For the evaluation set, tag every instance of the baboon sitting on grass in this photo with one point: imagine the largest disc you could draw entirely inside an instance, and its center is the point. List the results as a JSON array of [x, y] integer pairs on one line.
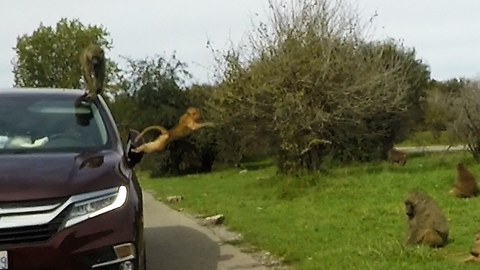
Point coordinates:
[[426, 223], [465, 185]]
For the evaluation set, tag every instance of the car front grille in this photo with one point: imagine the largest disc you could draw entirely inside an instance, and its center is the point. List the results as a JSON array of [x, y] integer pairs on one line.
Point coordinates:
[[32, 234]]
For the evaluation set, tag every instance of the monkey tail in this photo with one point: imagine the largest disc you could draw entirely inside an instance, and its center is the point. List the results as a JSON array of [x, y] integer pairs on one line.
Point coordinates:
[[159, 128]]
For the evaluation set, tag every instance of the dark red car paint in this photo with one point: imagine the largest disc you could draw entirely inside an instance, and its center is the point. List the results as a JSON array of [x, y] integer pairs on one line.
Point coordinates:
[[34, 176]]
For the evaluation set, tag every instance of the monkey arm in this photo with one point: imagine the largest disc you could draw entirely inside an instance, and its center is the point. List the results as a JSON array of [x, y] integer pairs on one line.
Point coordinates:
[[440, 225], [412, 237], [415, 234], [87, 79], [195, 126]]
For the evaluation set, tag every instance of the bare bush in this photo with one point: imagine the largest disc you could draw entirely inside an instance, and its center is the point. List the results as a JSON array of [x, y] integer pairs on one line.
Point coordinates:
[[465, 124], [312, 82]]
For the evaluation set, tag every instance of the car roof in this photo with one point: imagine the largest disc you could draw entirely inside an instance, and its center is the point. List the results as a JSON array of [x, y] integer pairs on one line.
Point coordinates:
[[14, 91]]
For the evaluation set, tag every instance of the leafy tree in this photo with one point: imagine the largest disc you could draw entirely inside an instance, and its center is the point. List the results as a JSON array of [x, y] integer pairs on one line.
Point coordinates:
[[49, 57], [224, 143], [153, 93], [156, 84], [311, 82]]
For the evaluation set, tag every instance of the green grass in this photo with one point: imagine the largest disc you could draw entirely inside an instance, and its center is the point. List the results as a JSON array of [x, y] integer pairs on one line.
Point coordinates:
[[350, 219], [425, 138]]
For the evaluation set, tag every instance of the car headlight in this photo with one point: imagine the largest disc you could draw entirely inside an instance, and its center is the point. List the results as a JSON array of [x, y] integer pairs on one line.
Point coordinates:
[[96, 205]]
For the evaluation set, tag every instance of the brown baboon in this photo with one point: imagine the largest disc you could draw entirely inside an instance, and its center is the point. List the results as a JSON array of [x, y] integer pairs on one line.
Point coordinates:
[[187, 124], [396, 156], [475, 250], [465, 185], [426, 223], [92, 61]]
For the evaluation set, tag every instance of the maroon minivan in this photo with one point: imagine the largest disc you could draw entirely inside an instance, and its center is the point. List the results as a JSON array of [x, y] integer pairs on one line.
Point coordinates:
[[69, 198]]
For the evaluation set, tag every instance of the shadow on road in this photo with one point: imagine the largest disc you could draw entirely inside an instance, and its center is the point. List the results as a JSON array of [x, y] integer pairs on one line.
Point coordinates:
[[180, 248]]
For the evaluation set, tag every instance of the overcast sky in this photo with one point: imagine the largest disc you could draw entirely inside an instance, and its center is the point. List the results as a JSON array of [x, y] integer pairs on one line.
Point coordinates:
[[446, 35]]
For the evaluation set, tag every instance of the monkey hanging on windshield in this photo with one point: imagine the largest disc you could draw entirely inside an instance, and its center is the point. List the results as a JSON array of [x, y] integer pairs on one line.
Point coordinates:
[[92, 61], [186, 125]]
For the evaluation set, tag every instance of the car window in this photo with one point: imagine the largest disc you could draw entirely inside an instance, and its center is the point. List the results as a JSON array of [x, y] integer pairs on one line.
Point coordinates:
[[47, 123]]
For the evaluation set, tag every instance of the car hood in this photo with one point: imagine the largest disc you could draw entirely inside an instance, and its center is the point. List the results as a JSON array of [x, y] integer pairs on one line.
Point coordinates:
[[46, 175]]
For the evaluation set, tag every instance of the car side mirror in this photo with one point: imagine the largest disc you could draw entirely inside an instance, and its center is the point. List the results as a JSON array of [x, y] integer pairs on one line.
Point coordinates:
[[132, 157]]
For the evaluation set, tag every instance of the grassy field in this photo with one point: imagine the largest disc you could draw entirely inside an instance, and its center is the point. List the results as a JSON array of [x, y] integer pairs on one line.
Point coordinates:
[[425, 138], [350, 219]]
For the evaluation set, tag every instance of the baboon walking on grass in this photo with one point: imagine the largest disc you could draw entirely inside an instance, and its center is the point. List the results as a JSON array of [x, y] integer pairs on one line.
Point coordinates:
[[396, 156]]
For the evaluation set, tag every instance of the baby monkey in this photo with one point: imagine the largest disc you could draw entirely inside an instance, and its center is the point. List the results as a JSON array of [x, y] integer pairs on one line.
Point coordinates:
[[186, 125]]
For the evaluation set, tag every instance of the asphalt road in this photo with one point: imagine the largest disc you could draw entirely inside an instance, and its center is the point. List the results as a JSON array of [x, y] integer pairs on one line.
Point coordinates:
[[177, 242], [432, 148]]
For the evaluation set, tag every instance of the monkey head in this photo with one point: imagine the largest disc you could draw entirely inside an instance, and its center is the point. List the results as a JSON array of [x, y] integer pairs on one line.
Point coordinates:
[[409, 209], [194, 113], [475, 250], [460, 166], [94, 54], [411, 201], [94, 60]]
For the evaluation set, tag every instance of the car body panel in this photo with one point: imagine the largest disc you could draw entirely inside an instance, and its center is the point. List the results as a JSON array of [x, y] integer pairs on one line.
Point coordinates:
[[31, 177], [55, 175]]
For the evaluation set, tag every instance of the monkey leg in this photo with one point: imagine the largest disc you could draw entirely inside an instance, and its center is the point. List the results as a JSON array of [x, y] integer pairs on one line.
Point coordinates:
[[455, 192], [138, 149], [89, 83], [433, 239], [98, 73], [413, 237], [146, 147], [157, 145]]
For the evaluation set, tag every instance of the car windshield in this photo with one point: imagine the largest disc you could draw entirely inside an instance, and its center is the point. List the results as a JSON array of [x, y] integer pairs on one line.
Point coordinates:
[[50, 123]]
